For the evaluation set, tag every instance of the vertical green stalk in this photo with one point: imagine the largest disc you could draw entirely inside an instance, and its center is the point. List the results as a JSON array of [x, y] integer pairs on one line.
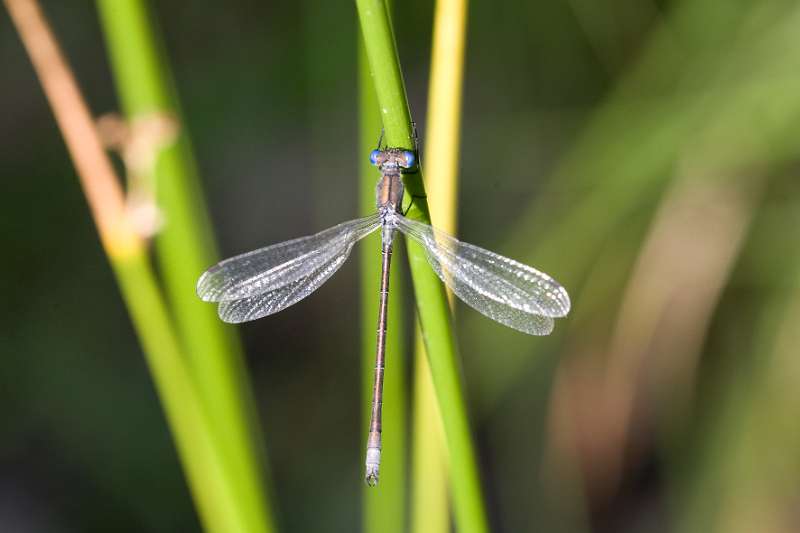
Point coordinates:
[[213, 491], [430, 509], [213, 488], [185, 249], [432, 307], [384, 505]]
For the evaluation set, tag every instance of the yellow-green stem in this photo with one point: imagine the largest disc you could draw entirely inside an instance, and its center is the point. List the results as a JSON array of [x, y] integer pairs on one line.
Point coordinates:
[[432, 306], [214, 492], [430, 510], [212, 487], [185, 248]]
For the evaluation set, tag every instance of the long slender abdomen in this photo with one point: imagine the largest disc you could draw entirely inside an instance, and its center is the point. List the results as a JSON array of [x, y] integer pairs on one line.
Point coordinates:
[[373, 461]]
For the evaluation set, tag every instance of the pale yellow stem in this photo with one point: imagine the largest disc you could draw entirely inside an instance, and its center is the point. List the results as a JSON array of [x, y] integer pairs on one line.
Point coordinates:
[[429, 507], [103, 191]]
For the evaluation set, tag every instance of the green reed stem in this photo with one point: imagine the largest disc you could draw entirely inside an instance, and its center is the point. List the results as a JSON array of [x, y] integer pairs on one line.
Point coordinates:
[[432, 306], [185, 249], [213, 489]]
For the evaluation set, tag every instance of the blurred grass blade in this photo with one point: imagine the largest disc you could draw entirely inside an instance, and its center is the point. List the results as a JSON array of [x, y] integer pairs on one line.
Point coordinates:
[[434, 313], [215, 493], [213, 489], [185, 249], [384, 505], [745, 476], [430, 510], [707, 221], [732, 114], [735, 95]]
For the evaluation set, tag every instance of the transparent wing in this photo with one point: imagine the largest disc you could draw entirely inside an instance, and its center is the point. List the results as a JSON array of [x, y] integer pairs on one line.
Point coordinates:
[[269, 269], [254, 307], [505, 290]]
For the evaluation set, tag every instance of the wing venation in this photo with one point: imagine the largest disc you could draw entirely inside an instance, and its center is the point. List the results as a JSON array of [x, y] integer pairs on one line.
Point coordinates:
[[270, 268]]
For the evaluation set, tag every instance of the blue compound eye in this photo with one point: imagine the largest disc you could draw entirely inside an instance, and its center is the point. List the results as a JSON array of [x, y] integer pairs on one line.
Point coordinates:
[[373, 156], [411, 159]]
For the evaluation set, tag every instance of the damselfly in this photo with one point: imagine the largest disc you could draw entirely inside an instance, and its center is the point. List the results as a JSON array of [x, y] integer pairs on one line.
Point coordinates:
[[265, 281]]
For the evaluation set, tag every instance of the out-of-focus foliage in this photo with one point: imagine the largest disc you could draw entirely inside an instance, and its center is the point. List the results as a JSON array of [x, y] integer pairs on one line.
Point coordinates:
[[642, 152]]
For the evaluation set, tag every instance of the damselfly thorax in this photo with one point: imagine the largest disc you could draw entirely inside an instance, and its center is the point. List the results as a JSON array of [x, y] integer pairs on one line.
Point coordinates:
[[389, 192], [265, 281]]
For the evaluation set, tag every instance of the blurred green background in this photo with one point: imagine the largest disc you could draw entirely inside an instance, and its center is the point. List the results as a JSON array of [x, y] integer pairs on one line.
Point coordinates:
[[644, 153]]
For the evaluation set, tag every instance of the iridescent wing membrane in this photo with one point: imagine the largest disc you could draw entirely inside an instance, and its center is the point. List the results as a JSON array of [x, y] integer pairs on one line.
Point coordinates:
[[265, 281], [268, 280], [504, 290]]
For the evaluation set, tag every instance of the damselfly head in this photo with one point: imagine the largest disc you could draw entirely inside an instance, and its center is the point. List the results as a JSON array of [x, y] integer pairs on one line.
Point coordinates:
[[393, 157], [374, 157]]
